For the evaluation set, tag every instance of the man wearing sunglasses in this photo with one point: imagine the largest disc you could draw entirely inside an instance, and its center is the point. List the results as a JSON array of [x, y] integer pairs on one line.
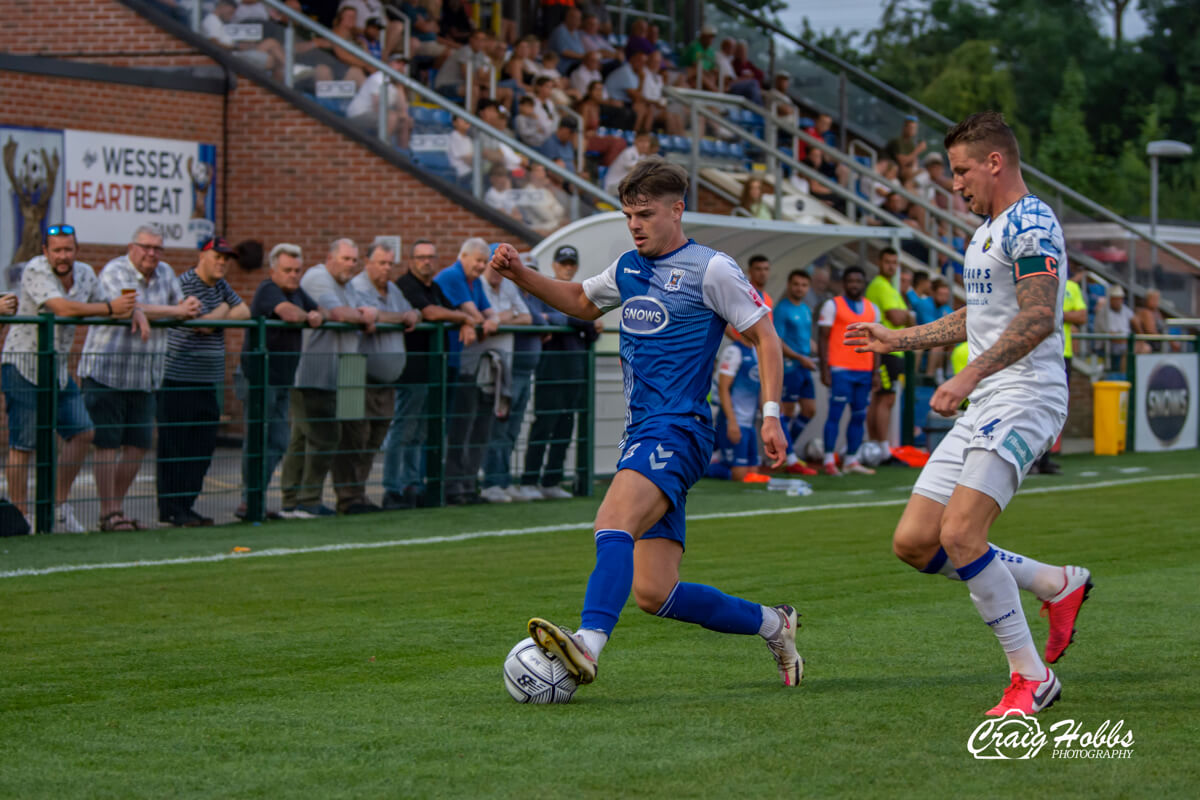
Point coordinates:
[[121, 368], [53, 282]]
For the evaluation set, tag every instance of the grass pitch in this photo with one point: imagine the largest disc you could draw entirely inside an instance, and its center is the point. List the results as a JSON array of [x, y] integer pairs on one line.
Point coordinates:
[[376, 672]]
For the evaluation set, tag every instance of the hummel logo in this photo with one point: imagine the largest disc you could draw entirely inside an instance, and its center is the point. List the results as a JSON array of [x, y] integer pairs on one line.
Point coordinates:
[[629, 271], [662, 454]]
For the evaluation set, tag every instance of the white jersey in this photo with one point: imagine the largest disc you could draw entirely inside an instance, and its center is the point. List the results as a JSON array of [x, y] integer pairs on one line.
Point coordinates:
[[1023, 240]]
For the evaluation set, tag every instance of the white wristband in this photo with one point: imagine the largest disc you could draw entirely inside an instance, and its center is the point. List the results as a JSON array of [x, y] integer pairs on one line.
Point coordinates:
[[771, 409]]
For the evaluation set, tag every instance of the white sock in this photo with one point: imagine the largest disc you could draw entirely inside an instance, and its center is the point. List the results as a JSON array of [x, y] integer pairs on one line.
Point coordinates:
[[829, 458], [1044, 580], [791, 459], [995, 595], [593, 640], [771, 623]]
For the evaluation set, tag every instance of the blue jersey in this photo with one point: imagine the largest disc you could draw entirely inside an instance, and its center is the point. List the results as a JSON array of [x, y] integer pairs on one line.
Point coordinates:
[[793, 323], [741, 362], [674, 309]]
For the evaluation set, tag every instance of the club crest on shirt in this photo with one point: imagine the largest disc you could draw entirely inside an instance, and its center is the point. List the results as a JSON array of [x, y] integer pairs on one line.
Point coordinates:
[[675, 281], [987, 245]]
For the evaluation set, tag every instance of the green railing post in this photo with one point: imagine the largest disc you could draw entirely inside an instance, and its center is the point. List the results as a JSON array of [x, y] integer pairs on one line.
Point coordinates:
[[1131, 407], [46, 452], [908, 409], [435, 459], [586, 431], [256, 419]]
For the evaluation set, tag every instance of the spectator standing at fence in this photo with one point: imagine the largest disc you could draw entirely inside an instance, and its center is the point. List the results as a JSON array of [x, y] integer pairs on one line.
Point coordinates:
[[379, 301], [279, 297], [560, 392], [404, 456], [189, 406], [56, 283], [1148, 318], [1117, 319], [122, 368], [887, 298], [510, 308], [315, 433], [469, 425]]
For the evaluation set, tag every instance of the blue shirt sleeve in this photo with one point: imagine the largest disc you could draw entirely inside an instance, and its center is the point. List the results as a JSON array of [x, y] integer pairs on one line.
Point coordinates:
[[454, 285]]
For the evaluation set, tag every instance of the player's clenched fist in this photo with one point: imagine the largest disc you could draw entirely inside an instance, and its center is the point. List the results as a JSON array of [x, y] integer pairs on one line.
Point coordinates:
[[870, 337], [505, 259]]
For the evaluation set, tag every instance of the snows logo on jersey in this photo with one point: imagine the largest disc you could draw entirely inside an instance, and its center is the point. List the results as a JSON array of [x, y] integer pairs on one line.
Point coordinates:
[[643, 315]]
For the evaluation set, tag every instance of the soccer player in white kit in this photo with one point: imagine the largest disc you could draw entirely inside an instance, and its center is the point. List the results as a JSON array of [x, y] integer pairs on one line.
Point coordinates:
[[1014, 275]]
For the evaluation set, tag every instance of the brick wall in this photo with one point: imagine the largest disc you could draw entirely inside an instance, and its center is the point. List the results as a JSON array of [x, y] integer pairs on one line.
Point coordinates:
[[101, 31]]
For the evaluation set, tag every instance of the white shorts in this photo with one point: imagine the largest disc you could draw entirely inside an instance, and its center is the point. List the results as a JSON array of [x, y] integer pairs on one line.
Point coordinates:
[[991, 448]]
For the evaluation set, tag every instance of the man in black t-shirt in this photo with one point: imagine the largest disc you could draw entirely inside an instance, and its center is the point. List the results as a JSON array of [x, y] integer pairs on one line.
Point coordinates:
[[403, 474], [278, 297]]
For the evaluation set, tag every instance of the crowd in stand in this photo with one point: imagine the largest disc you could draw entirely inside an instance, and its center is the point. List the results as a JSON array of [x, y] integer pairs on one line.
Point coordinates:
[[138, 386]]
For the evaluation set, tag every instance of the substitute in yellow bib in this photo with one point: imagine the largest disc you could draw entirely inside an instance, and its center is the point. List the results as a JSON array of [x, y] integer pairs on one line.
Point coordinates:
[[895, 314]]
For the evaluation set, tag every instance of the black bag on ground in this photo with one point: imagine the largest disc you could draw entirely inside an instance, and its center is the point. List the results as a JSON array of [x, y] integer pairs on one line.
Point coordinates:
[[12, 521]]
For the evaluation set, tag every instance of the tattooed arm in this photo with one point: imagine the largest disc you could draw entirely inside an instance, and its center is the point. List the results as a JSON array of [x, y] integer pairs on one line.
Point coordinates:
[[1037, 297], [875, 338]]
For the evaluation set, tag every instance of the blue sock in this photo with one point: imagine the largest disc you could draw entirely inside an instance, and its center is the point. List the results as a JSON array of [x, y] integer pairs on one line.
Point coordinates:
[[799, 423], [712, 609], [785, 422], [610, 582], [832, 422]]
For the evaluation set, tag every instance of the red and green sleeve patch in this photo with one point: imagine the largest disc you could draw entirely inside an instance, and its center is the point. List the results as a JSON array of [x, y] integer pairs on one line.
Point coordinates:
[[1035, 265]]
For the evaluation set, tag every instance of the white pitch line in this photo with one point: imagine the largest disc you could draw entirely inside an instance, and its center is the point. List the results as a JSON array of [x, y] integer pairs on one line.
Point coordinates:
[[506, 532]]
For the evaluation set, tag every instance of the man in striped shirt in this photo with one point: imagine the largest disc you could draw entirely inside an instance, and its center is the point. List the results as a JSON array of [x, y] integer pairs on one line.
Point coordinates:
[[122, 368], [189, 406]]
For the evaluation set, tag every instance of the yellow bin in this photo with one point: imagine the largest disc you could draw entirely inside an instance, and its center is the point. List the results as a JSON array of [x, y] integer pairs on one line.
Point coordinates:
[[1110, 413]]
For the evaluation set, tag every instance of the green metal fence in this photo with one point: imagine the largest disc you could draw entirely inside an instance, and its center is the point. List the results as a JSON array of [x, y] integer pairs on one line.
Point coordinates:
[[240, 473]]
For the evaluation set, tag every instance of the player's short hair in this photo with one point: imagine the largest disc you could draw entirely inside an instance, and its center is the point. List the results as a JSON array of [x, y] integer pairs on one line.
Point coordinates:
[[799, 273], [757, 257], [985, 130], [651, 178], [848, 271], [888, 251], [420, 242]]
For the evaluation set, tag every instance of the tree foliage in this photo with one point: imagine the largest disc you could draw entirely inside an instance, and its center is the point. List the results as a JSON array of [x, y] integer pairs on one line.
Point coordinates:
[[1084, 104]]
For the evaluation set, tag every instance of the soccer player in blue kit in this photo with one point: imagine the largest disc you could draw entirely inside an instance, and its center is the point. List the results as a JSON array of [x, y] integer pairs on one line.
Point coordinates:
[[676, 296]]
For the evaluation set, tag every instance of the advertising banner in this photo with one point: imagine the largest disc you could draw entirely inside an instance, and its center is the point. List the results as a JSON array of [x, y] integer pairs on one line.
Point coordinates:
[[105, 185], [114, 183], [1166, 403]]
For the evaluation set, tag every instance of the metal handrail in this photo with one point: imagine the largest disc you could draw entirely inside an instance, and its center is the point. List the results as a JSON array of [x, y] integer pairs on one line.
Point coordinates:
[[438, 100], [812, 175], [688, 97], [623, 11], [916, 105]]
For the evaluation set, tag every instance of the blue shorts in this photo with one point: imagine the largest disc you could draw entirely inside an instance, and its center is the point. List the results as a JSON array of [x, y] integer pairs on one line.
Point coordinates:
[[673, 455], [21, 396], [851, 386], [798, 384], [742, 454]]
